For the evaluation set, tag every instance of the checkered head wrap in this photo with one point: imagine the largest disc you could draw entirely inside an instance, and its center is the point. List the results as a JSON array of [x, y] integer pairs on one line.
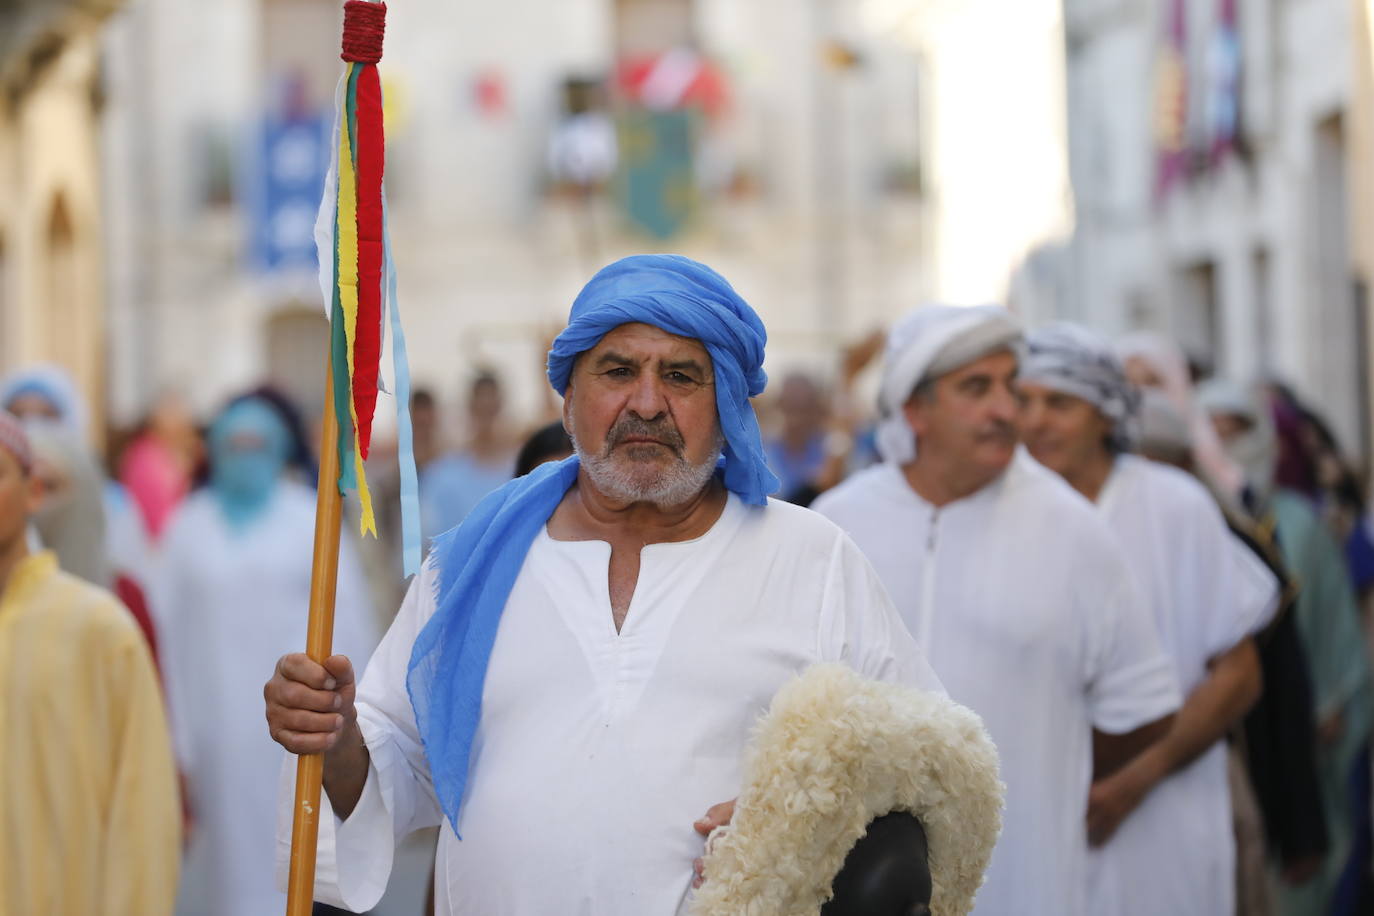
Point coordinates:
[[1074, 360]]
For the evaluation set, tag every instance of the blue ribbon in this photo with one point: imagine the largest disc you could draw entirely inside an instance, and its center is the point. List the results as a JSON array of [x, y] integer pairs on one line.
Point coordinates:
[[405, 444]]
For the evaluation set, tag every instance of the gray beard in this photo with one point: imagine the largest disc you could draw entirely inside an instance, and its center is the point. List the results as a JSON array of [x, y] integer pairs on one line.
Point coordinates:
[[620, 479]]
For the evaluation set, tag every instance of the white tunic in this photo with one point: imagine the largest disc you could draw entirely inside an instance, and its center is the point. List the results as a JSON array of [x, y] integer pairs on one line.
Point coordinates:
[[1022, 600], [598, 750], [1176, 852], [228, 605]]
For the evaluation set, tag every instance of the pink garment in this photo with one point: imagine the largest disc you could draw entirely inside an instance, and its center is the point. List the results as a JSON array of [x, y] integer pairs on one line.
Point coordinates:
[[156, 481]]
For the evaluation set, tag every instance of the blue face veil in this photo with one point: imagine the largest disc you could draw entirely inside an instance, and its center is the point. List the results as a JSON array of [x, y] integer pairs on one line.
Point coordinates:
[[477, 562], [249, 444]]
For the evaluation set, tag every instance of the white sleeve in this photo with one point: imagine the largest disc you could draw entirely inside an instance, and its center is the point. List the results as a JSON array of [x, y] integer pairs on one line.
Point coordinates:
[[354, 857], [861, 627], [1257, 589], [1130, 681], [1235, 591]]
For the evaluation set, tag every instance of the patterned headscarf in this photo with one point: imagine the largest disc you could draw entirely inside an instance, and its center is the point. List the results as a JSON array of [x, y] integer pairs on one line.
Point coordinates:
[[1076, 361]]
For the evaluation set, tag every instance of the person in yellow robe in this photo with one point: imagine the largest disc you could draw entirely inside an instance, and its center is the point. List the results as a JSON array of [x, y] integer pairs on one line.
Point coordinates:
[[89, 817]]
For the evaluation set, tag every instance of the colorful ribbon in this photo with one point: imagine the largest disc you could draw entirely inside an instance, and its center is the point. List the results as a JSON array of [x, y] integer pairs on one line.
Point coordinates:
[[358, 277]]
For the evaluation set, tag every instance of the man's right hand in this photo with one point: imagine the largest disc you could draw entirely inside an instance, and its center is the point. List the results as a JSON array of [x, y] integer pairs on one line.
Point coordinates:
[[309, 705], [310, 711]]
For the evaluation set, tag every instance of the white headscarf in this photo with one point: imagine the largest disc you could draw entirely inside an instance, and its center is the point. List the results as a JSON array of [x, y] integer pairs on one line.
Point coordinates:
[[1162, 427], [55, 385], [71, 521], [1166, 358], [926, 344], [1255, 450]]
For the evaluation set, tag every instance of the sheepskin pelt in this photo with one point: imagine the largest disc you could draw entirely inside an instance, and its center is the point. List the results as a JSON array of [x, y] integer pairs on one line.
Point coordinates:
[[833, 752]]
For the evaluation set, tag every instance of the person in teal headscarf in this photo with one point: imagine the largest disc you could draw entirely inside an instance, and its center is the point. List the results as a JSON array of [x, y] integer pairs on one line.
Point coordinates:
[[231, 595], [1328, 620], [248, 448]]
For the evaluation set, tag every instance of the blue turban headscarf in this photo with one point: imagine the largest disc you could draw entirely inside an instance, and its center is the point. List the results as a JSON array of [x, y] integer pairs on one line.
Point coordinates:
[[478, 561]]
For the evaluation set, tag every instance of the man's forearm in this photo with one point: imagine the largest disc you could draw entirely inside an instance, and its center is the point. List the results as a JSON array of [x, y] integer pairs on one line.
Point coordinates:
[[1231, 688], [345, 771], [1112, 752]]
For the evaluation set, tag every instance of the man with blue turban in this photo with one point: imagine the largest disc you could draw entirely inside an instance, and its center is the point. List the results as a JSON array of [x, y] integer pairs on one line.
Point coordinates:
[[569, 686]]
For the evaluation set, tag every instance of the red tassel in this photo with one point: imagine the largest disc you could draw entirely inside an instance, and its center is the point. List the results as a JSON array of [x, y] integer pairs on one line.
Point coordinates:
[[367, 341]]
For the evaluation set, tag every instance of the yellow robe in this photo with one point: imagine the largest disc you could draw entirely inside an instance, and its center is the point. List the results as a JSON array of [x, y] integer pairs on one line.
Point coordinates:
[[89, 817]]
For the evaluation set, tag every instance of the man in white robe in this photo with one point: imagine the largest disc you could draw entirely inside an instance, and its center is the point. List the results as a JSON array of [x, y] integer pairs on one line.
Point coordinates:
[[655, 607], [1162, 823], [233, 576], [1016, 589]]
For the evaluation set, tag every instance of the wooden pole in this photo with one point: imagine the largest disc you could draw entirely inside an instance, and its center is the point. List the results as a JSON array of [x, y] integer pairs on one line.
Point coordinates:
[[324, 576]]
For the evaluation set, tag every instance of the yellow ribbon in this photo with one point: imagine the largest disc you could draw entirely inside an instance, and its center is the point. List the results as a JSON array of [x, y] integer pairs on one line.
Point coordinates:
[[347, 243]]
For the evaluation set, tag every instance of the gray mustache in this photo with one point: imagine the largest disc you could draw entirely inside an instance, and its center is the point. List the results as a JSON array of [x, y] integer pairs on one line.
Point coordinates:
[[999, 432], [633, 427]]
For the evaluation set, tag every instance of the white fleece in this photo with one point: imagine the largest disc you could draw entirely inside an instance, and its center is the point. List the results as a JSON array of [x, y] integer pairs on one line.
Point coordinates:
[[834, 751]]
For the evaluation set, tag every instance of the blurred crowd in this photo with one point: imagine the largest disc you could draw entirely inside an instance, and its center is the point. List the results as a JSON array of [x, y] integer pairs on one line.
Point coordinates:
[[203, 529]]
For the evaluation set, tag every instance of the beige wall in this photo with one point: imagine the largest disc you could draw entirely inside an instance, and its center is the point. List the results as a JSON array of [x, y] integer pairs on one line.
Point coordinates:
[[1275, 231], [51, 271], [1360, 128]]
